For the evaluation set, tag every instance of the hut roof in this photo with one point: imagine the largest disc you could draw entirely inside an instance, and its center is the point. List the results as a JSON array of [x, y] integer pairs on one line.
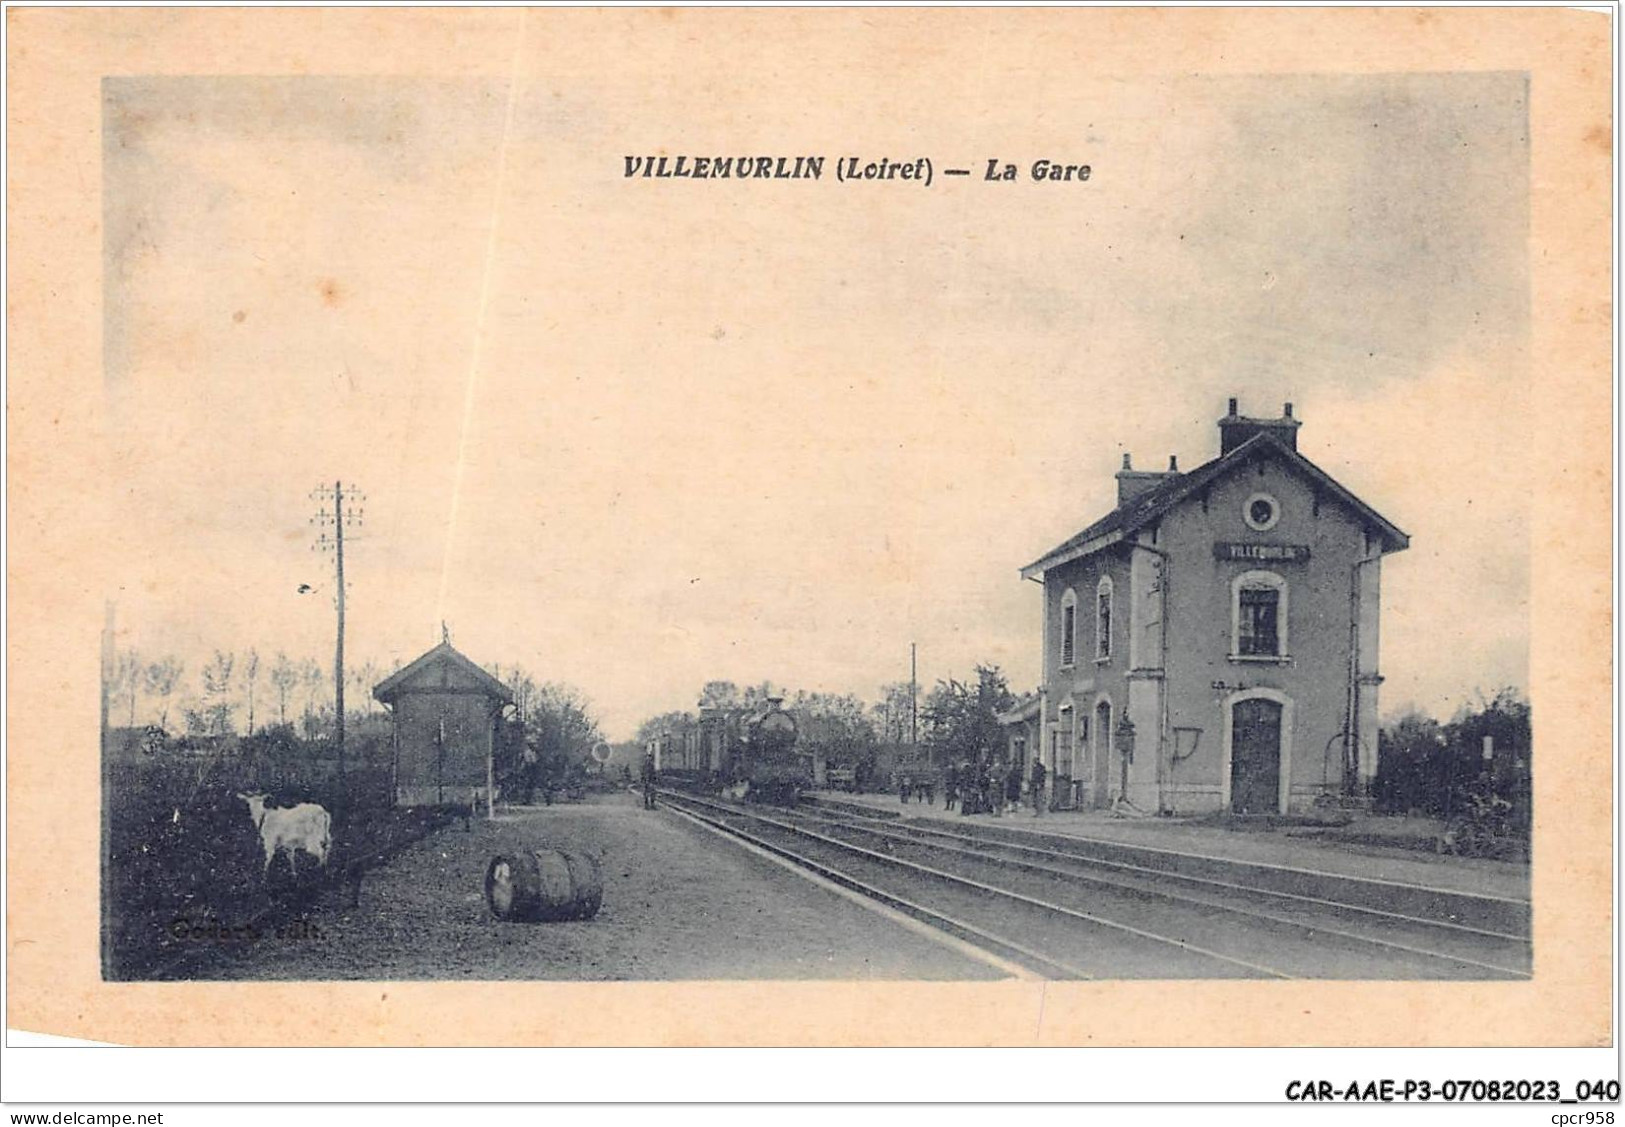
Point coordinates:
[[414, 677]]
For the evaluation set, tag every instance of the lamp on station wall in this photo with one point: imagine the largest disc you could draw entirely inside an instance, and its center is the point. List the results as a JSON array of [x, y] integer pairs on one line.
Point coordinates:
[[1125, 738]]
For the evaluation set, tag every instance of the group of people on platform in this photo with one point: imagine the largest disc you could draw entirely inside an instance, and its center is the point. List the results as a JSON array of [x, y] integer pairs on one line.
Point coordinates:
[[989, 786], [917, 784]]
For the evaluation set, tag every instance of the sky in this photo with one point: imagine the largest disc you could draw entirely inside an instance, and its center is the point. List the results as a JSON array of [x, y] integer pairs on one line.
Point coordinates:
[[637, 435]]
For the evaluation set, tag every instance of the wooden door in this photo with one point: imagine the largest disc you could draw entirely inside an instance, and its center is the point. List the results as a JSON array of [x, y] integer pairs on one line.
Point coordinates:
[[1100, 730], [1255, 757]]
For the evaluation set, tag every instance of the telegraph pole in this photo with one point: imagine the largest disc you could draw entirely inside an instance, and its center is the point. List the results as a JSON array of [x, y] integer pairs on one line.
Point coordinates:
[[337, 519]]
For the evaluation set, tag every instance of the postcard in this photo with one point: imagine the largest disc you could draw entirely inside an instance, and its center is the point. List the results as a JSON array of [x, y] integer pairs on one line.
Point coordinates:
[[729, 527]]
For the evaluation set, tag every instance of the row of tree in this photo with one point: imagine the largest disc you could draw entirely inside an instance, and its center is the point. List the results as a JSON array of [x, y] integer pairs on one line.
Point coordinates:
[[547, 739], [241, 694], [230, 686], [957, 720], [838, 717]]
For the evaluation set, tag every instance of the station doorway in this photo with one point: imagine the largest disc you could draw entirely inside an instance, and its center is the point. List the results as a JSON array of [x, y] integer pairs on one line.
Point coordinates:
[[1255, 757], [1101, 736]]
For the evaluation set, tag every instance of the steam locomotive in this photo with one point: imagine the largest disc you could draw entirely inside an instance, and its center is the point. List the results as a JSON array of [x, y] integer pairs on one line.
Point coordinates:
[[748, 753], [768, 764]]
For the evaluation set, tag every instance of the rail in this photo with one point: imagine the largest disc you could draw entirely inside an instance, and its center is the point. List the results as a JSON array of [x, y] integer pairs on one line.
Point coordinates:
[[1382, 941], [1007, 943]]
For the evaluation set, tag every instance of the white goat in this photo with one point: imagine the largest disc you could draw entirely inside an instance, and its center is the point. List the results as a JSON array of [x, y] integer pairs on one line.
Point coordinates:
[[306, 826]]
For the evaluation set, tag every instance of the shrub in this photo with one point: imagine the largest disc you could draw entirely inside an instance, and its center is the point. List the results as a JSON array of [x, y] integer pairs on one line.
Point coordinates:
[[1439, 769], [180, 844]]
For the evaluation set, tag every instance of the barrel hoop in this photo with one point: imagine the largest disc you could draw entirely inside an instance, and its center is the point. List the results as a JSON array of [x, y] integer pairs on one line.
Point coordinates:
[[546, 884]]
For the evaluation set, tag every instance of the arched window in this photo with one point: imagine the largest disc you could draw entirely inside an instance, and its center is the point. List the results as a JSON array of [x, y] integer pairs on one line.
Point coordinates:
[[1103, 619], [1069, 628], [1258, 618]]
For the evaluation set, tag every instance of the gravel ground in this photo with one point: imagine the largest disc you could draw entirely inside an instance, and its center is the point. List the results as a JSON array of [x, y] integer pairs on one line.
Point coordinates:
[[679, 903]]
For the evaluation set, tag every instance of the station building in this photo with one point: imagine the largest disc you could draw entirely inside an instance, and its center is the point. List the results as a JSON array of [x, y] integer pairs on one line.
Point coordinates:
[[1211, 643]]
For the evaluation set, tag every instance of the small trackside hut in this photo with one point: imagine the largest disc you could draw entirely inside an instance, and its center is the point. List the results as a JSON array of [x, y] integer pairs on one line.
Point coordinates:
[[446, 711], [1211, 643]]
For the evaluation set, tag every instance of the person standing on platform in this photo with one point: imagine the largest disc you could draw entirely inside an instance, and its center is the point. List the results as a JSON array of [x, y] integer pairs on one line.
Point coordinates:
[[648, 777], [1038, 787], [1012, 786]]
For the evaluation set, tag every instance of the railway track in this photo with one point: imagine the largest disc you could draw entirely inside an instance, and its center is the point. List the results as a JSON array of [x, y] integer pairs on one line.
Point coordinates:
[[1072, 909]]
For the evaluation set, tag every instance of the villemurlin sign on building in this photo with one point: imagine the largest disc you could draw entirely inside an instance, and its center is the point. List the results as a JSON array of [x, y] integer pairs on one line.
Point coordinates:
[[1278, 553]]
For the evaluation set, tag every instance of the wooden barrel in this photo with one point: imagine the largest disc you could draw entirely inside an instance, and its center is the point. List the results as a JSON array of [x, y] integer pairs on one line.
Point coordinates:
[[547, 884]]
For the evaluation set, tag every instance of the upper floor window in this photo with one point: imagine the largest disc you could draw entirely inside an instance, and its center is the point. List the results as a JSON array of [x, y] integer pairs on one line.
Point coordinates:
[[1069, 628], [1258, 616], [1103, 618], [1256, 633]]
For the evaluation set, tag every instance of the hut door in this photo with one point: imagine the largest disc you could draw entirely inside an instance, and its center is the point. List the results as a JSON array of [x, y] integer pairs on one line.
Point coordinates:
[[1255, 757]]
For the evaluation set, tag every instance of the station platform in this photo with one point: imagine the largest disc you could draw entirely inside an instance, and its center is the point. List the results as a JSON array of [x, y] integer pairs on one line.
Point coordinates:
[[1290, 847]]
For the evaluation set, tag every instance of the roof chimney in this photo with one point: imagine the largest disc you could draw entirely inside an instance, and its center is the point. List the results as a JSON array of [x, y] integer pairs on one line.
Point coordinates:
[[1133, 483], [1235, 429]]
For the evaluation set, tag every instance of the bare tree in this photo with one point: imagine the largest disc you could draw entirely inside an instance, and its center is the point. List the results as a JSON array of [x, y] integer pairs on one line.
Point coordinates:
[[894, 713], [162, 676], [251, 675], [284, 679], [217, 691], [313, 678], [362, 679], [523, 688], [127, 677]]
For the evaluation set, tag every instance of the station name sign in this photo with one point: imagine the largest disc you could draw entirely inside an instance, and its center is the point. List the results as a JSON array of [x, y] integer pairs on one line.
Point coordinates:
[[1271, 553]]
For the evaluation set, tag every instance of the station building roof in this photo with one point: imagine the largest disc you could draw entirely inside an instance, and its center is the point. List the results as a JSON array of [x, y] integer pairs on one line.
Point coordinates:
[[1148, 507]]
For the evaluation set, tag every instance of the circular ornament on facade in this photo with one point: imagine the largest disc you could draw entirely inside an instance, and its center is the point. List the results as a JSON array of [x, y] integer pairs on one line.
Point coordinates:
[[1261, 512]]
